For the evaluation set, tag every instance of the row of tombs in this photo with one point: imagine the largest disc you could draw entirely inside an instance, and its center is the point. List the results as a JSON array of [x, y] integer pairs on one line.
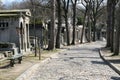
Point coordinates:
[[15, 28]]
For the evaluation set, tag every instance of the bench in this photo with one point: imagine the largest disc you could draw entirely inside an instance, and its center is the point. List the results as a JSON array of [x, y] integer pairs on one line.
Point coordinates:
[[15, 57], [10, 52]]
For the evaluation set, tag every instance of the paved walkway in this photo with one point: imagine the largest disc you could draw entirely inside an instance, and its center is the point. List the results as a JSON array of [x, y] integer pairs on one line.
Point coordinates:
[[81, 62]]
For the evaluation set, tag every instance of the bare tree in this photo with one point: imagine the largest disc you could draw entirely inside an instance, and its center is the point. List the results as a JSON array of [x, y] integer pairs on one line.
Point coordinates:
[[110, 23], [52, 26], [42, 8], [65, 9], [96, 8], [14, 5], [88, 22], [58, 39], [114, 2], [86, 4], [74, 3], [91, 15], [117, 33], [33, 11], [1, 5]]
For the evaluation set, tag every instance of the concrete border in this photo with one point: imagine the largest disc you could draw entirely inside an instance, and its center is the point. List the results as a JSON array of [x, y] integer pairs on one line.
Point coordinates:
[[115, 68]]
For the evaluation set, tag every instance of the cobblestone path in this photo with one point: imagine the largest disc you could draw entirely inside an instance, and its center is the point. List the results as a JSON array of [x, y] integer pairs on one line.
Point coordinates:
[[81, 62]]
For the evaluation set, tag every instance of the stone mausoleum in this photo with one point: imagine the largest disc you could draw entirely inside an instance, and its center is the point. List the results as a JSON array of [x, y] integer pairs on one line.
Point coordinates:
[[14, 28]]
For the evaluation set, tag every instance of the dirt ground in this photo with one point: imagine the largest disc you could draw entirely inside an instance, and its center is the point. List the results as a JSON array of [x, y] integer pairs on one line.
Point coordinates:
[[11, 73]]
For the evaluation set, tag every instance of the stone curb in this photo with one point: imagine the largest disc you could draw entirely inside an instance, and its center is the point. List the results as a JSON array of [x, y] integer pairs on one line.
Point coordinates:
[[115, 68], [25, 75]]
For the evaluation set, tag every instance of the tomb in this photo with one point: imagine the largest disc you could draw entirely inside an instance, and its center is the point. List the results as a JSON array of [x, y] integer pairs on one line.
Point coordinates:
[[14, 28]]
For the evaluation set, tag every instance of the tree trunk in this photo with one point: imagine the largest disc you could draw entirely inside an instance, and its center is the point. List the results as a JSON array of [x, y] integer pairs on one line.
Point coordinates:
[[52, 30], [67, 29], [112, 23], [65, 9], [94, 30], [89, 24], [83, 29], [58, 39], [89, 30], [74, 17], [108, 24], [117, 34], [117, 41]]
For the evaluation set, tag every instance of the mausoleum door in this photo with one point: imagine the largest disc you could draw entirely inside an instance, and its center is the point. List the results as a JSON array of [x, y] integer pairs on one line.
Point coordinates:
[[22, 37]]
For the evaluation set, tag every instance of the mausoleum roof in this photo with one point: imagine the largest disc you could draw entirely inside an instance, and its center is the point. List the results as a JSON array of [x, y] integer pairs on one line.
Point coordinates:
[[7, 15], [18, 12]]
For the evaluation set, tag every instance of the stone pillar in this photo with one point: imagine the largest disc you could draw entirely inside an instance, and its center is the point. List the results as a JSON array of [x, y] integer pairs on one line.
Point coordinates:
[[28, 39], [25, 35]]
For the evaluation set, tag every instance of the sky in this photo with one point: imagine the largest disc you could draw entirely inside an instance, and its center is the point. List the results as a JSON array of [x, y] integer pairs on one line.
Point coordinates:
[[9, 1]]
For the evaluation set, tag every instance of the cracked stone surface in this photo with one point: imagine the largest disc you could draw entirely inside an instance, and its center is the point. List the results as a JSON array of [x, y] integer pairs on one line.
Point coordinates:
[[81, 62]]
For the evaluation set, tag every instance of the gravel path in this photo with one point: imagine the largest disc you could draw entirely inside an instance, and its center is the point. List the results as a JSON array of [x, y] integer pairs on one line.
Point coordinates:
[[81, 62]]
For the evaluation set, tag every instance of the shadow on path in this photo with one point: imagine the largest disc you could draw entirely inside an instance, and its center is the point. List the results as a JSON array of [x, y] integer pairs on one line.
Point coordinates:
[[115, 78], [77, 57], [99, 62], [115, 61]]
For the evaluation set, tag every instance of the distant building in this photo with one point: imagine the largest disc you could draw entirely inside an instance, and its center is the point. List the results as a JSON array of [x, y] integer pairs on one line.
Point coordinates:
[[37, 30], [14, 28]]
